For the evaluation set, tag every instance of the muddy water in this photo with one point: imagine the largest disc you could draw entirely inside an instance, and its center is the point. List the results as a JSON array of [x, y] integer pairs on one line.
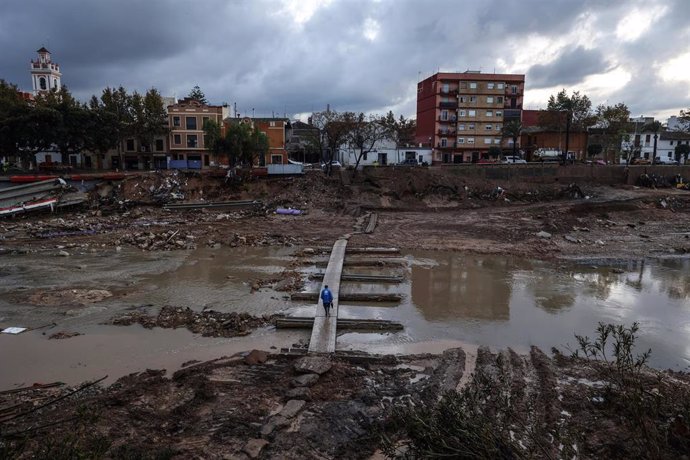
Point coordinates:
[[448, 300], [512, 302], [218, 279]]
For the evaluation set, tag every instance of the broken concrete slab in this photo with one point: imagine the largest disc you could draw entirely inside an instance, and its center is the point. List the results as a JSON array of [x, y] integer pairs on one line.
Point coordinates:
[[254, 446], [277, 421], [305, 380], [572, 239], [313, 364], [292, 408], [303, 393], [544, 234]]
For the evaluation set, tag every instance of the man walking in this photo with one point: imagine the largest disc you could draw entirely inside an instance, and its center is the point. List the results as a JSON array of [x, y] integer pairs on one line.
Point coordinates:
[[327, 299]]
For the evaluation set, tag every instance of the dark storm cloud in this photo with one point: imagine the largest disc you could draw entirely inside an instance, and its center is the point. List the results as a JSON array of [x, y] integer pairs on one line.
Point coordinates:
[[570, 67], [352, 54]]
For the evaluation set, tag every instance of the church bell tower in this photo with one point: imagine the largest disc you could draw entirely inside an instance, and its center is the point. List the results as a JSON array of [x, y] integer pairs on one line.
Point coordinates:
[[45, 74]]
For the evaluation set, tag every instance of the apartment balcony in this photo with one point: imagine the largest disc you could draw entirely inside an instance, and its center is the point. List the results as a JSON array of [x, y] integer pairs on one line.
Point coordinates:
[[448, 105], [511, 113], [448, 146], [450, 92], [452, 119], [447, 132]]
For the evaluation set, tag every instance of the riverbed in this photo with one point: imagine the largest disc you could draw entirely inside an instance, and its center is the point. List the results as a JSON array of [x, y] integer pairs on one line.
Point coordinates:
[[448, 299]]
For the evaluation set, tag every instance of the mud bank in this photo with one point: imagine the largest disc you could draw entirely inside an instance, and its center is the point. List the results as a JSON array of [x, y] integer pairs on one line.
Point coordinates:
[[262, 406]]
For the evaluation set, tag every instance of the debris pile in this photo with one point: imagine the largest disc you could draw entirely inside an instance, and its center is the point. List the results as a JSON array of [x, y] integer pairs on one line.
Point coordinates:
[[208, 323]]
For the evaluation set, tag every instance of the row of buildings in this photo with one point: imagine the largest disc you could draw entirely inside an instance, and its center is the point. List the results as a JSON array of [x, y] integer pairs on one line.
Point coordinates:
[[460, 116], [460, 119]]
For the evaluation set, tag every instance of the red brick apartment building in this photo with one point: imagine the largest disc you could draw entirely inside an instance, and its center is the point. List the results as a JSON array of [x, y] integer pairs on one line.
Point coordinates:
[[461, 115]]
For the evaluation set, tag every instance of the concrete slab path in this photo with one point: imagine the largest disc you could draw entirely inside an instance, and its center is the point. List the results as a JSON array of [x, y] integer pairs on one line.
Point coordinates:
[[324, 330]]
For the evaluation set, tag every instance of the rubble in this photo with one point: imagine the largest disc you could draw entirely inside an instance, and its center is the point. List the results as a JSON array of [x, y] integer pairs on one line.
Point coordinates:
[[208, 323]]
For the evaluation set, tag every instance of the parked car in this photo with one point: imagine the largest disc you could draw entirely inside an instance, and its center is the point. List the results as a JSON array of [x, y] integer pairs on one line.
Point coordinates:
[[409, 162], [513, 159], [334, 165], [666, 161]]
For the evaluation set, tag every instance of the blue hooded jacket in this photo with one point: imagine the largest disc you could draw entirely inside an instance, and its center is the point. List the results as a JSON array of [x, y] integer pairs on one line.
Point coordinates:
[[326, 295]]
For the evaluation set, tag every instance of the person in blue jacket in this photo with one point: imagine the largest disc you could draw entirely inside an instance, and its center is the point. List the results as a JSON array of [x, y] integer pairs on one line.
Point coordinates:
[[327, 299]]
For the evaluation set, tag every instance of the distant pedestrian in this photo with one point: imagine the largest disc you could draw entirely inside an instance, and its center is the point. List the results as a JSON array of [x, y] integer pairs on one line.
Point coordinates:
[[327, 299]]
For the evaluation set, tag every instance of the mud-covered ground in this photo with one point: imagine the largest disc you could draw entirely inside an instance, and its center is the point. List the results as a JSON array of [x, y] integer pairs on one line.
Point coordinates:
[[269, 406], [265, 406], [533, 220]]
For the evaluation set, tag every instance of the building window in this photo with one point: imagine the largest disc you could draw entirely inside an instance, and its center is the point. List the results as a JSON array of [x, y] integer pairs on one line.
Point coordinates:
[[444, 115], [42, 83], [471, 113], [473, 98], [207, 162], [671, 143], [497, 141], [473, 85], [159, 145], [445, 88], [499, 113], [513, 89], [204, 120], [463, 99], [273, 125], [191, 141], [490, 86], [463, 84], [669, 154], [487, 140], [55, 85], [461, 140], [470, 140], [498, 127], [444, 142], [190, 122], [130, 145], [278, 159], [471, 126], [647, 138], [489, 113], [499, 85], [176, 121], [499, 100], [177, 139], [462, 113], [489, 100], [488, 127], [461, 127]]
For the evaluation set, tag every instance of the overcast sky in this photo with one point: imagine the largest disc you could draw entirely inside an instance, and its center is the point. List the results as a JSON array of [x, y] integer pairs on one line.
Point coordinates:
[[296, 56]]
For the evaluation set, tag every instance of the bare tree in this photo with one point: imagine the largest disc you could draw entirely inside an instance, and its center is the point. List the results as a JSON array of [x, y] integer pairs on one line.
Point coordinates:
[[333, 129], [364, 133]]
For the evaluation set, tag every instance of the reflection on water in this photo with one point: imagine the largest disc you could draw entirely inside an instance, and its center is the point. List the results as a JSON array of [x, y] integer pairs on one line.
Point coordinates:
[[461, 287], [513, 302]]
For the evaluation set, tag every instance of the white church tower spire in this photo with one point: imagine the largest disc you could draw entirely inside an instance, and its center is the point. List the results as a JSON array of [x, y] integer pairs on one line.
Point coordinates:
[[45, 74]]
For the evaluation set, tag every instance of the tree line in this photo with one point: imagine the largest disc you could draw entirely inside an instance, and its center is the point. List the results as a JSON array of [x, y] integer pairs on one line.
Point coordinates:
[[57, 119]]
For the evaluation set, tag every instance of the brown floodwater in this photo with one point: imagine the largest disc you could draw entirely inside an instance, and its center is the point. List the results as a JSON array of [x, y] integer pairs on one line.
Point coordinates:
[[449, 299]]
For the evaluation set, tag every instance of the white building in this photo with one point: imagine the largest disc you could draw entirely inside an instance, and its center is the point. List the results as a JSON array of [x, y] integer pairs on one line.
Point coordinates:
[[666, 144], [45, 74], [385, 153], [674, 123]]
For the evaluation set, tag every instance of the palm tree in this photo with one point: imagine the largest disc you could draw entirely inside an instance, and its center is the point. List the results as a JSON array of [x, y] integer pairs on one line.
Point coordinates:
[[513, 129], [654, 127]]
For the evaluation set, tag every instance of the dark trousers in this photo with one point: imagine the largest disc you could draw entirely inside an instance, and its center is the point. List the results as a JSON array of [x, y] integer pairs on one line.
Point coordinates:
[[327, 306]]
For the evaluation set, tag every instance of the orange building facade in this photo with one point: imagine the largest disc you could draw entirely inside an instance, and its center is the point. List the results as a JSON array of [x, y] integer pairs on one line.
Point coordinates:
[[278, 132]]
